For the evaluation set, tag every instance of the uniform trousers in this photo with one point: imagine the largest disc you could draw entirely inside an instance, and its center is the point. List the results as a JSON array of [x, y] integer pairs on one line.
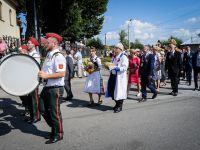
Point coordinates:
[[189, 74], [50, 99], [146, 82], [174, 77], [68, 87], [33, 105], [196, 72]]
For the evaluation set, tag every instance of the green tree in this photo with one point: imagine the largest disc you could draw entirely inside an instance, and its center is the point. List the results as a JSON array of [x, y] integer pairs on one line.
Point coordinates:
[[73, 19], [136, 44], [166, 42], [97, 43], [92, 15], [122, 38]]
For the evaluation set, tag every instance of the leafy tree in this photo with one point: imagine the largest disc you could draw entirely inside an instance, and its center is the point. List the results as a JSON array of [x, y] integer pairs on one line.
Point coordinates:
[[97, 43], [166, 42], [73, 19], [136, 44], [122, 38], [92, 11]]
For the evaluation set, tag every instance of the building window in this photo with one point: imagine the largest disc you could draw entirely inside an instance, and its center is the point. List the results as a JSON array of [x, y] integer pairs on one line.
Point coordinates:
[[10, 16], [0, 10]]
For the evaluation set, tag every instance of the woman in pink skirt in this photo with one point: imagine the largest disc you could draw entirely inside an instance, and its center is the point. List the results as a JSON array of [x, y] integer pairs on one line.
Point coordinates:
[[134, 64]]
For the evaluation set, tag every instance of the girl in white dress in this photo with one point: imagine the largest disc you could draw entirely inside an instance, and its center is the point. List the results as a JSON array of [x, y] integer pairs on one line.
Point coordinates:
[[94, 81]]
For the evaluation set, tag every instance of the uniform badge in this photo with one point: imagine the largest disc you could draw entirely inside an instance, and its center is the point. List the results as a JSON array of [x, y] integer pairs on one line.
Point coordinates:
[[60, 66]]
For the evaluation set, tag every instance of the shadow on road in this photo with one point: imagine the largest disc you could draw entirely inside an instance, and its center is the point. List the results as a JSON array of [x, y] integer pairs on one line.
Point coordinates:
[[82, 103], [11, 119]]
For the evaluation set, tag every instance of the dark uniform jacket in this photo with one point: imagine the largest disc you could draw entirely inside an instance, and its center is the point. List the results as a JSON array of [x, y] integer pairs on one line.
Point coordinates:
[[194, 61], [69, 68], [173, 62], [187, 60], [147, 65]]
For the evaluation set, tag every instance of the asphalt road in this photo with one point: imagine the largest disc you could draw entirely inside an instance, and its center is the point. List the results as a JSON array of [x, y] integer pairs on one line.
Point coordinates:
[[165, 123]]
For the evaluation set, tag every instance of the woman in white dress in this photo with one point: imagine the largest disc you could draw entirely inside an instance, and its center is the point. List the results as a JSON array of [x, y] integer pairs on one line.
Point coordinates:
[[94, 81]]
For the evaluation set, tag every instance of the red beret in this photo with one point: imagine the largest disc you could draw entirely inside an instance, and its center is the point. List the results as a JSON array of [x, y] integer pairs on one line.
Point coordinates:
[[58, 37], [24, 47], [34, 41], [43, 40]]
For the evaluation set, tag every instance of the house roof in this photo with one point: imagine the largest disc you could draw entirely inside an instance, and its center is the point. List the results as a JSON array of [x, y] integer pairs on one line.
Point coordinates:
[[14, 3], [192, 41]]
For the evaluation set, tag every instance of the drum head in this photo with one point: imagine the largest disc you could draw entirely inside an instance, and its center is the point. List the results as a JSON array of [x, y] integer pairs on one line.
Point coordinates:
[[19, 74]]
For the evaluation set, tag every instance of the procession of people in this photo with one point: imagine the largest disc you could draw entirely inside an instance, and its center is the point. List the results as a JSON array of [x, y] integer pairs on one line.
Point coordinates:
[[145, 68]]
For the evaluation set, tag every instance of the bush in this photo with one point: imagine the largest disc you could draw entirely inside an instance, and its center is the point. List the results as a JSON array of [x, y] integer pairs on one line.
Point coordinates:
[[105, 59]]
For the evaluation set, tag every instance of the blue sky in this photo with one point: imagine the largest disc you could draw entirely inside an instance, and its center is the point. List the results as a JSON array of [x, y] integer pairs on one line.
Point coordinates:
[[151, 20]]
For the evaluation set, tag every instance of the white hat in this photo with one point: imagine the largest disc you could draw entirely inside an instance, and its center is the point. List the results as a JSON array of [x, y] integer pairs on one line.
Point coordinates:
[[119, 45]]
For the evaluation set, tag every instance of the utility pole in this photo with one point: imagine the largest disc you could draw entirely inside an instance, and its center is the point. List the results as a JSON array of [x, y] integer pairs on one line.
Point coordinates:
[[105, 39], [128, 34], [35, 20]]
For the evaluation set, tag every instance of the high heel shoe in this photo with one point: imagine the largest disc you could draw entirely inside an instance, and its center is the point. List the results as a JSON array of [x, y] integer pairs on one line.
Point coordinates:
[[100, 101]]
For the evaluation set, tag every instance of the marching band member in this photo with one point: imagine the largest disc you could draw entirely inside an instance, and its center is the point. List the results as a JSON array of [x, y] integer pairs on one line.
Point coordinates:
[[53, 71]]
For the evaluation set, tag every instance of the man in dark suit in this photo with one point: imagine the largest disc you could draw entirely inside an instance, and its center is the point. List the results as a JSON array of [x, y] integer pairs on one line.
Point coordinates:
[[174, 66], [196, 67], [187, 63], [146, 72], [68, 75]]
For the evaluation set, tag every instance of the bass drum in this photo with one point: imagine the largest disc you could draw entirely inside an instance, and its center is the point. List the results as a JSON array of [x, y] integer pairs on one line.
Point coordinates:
[[19, 74]]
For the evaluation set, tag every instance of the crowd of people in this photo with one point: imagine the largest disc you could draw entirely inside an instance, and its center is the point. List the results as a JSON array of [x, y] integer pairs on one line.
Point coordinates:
[[145, 68]]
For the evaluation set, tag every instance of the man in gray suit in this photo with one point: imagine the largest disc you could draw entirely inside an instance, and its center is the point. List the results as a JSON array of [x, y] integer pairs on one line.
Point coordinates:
[[68, 75]]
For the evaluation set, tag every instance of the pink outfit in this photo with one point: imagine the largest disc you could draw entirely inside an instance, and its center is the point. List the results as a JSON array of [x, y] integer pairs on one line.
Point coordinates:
[[3, 47], [134, 76]]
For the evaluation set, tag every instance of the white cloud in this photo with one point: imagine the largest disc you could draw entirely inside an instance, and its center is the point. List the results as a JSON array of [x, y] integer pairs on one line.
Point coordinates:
[[197, 31], [182, 33], [193, 20], [149, 33], [147, 36], [112, 35], [140, 30]]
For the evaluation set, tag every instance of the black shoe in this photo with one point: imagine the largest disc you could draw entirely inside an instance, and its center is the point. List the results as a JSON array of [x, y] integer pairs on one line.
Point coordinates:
[[33, 121], [143, 99], [195, 89], [171, 93], [22, 114], [91, 104], [53, 140], [118, 109], [49, 136], [69, 98], [175, 94], [154, 95]]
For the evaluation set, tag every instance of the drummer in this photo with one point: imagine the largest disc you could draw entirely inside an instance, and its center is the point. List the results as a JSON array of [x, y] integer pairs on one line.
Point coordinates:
[[53, 70], [23, 49], [33, 103]]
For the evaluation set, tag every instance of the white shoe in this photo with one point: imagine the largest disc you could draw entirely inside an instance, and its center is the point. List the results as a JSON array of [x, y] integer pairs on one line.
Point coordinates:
[[139, 94]]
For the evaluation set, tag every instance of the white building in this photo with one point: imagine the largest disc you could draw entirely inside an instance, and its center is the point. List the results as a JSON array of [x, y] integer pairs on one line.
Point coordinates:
[[9, 25]]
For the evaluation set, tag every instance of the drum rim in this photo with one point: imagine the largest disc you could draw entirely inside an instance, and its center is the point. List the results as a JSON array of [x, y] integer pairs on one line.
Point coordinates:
[[25, 56], [22, 55]]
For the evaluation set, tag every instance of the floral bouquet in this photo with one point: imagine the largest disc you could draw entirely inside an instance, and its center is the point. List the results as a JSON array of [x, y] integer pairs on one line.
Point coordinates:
[[89, 66], [109, 65]]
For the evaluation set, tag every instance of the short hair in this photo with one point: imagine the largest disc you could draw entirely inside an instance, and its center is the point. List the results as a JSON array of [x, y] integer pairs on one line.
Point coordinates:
[[92, 48]]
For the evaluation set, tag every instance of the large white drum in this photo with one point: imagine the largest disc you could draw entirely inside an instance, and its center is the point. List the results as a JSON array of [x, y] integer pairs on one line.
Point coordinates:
[[19, 74]]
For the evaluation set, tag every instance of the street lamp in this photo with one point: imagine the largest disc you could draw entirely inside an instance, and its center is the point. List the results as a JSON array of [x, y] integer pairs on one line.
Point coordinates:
[[128, 35]]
